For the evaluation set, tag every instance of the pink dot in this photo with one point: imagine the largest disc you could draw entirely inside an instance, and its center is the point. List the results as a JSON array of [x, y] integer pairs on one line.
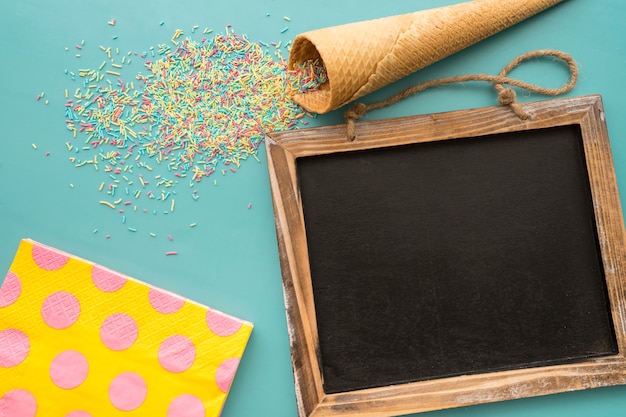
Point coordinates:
[[18, 402], [165, 303], [119, 331], [10, 290], [48, 258], [78, 413], [60, 310], [106, 280], [69, 369], [222, 324], [127, 391], [186, 405], [225, 373], [177, 354], [14, 347]]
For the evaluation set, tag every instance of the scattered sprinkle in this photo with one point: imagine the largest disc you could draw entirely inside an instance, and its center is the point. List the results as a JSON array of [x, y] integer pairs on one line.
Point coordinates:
[[162, 23], [203, 105], [112, 22], [307, 76], [177, 34], [285, 29], [132, 229], [249, 205], [287, 18], [171, 253], [34, 146], [193, 225], [106, 203]]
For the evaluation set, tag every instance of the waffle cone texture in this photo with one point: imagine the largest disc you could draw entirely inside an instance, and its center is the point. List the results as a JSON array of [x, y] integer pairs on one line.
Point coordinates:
[[365, 56]]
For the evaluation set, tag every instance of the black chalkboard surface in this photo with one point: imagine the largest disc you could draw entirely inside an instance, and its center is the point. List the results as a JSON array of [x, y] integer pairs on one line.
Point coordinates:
[[454, 257], [451, 259]]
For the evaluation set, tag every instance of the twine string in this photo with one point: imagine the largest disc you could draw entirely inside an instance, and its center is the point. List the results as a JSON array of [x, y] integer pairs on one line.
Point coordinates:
[[506, 95]]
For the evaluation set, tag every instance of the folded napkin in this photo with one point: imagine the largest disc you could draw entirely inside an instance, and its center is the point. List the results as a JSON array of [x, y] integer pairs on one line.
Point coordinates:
[[80, 340]]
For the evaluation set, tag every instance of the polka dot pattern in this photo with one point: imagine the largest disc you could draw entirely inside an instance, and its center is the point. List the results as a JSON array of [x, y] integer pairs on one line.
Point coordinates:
[[18, 402], [163, 302], [177, 353], [222, 324], [127, 391], [106, 280], [186, 405], [226, 373], [88, 321], [119, 331], [60, 310], [10, 290], [14, 347], [69, 369], [48, 259]]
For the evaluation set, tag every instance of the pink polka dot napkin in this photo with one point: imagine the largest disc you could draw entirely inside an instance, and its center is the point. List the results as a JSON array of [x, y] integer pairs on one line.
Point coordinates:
[[80, 340]]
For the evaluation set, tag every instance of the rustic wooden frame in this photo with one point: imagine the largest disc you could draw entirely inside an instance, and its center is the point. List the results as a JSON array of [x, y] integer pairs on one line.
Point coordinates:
[[284, 148]]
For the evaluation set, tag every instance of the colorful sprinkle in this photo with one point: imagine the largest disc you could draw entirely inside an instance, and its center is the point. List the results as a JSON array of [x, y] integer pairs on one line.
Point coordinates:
[[106, 203], [202, 106], [307, 76]]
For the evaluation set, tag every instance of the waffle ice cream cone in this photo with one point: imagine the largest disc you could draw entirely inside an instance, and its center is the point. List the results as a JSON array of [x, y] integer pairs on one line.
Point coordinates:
[[364, 56]]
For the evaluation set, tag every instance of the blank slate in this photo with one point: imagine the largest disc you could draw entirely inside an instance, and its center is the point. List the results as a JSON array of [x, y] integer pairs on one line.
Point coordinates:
[[451, 259]]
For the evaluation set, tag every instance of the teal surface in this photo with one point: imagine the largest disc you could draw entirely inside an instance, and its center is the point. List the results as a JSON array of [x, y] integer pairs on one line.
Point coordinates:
[[230, 259]]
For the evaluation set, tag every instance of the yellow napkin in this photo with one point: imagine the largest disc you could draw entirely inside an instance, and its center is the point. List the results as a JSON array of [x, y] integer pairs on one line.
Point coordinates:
[[80, 340]]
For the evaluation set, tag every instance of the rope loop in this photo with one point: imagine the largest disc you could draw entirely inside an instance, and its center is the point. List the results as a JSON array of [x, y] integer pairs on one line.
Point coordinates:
[[506, 96]]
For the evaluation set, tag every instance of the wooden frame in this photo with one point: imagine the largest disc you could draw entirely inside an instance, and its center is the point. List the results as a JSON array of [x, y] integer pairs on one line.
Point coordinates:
[[284, 148]]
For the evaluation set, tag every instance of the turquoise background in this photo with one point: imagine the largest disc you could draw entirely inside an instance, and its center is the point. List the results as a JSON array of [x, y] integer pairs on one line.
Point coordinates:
[[230, 260]]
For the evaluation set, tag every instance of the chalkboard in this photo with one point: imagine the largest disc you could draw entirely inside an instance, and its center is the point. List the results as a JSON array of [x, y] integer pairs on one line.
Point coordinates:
[[444, 255], [454, 257]]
